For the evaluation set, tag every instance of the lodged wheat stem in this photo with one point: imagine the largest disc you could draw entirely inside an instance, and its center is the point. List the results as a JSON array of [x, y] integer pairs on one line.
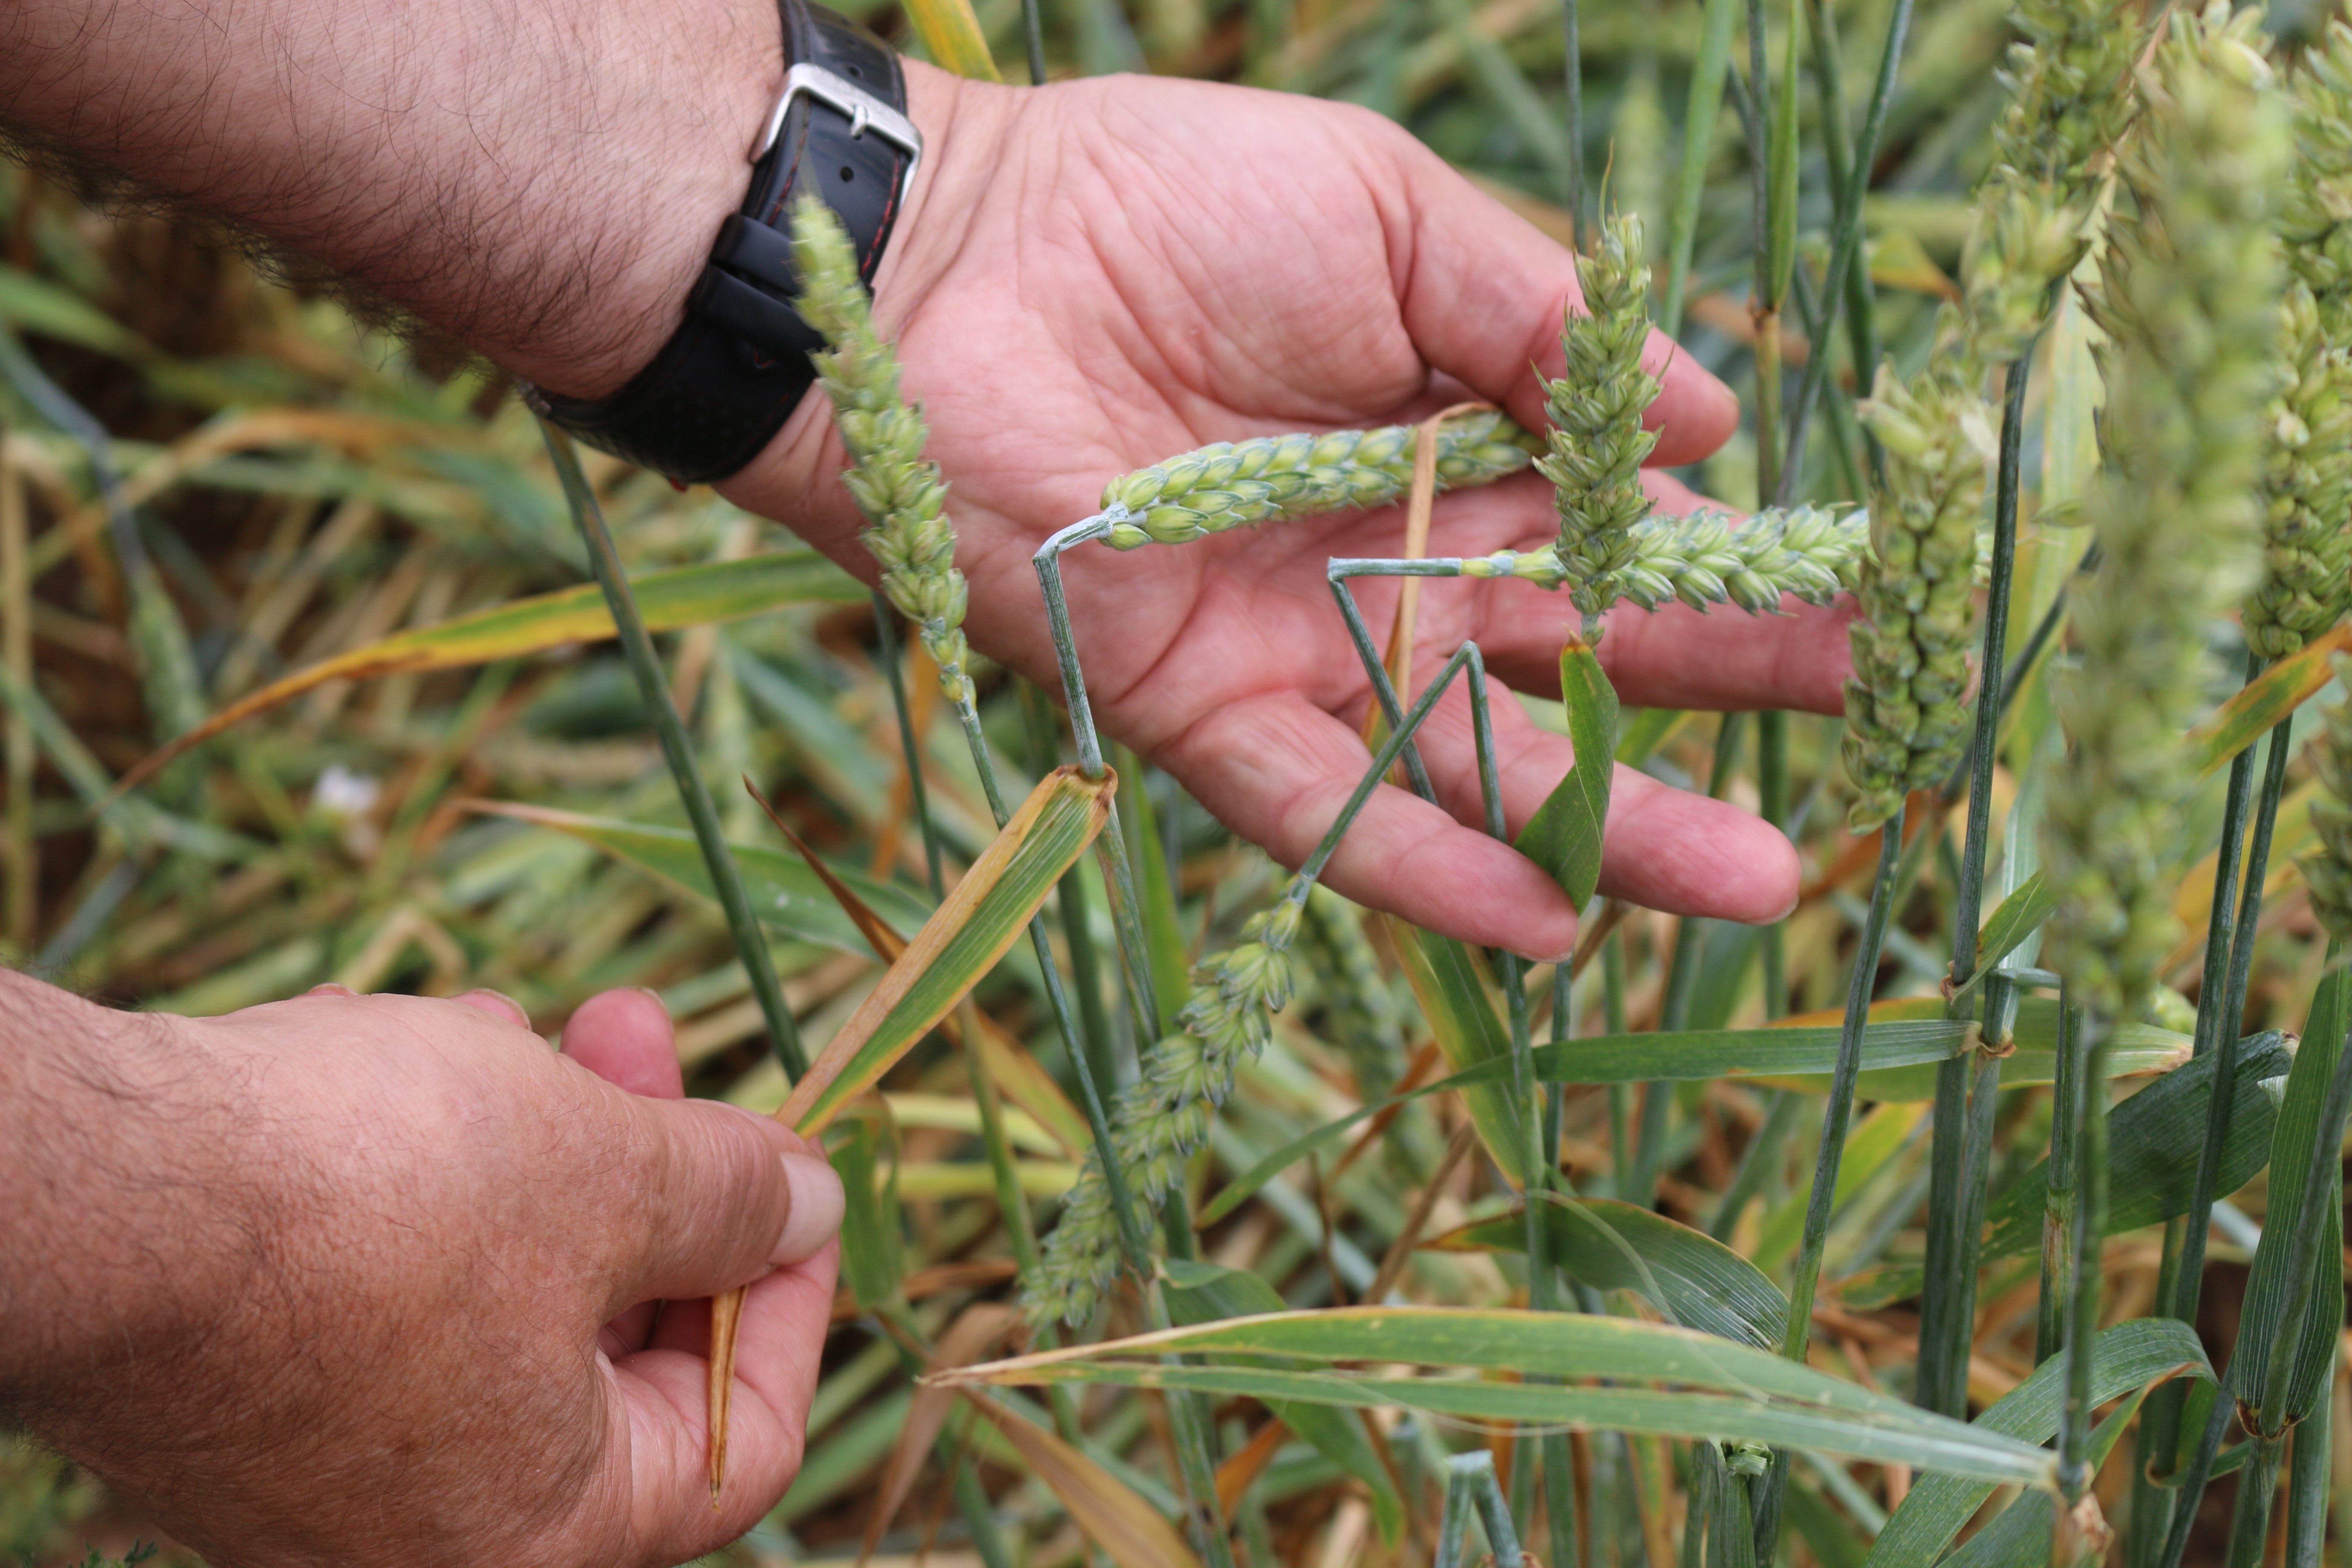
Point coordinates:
[[1161, 1118], [899, 491]]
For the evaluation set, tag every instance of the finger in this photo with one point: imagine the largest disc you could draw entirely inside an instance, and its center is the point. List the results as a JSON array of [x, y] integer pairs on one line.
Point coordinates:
[[780, 1347], [1722, 659], [496, 1004], [1279, 769], [1664, 848], [721, 1197], [1483, 289], [625, 1038]]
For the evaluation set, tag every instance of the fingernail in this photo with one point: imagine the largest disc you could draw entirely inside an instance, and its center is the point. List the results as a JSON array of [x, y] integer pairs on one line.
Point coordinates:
[[816, 1208], [517, 1012], [1549, 957], [649, 991], [331, 989]]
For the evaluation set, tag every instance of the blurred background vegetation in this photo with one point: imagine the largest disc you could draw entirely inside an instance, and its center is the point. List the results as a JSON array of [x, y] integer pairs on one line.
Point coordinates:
[[212, 477]]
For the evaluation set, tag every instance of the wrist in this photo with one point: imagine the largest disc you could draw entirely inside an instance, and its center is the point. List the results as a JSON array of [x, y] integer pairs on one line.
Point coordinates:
[[129, 1205], [963, 124]]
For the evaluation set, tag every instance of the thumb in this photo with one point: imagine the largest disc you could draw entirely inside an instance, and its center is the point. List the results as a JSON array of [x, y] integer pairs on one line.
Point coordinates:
[[1482, 295], [725, 1196]]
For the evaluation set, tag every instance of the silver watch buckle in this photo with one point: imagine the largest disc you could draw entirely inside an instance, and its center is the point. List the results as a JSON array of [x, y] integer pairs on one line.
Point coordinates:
[[865, 112]]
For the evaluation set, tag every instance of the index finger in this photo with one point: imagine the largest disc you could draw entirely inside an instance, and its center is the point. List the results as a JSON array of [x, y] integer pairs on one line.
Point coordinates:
[[1483, 289]]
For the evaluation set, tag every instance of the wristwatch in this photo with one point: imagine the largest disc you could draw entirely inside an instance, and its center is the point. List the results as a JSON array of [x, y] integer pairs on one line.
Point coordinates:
[[738, 365]]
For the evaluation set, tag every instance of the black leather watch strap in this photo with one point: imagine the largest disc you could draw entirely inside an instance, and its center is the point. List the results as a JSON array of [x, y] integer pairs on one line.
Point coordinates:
[[732, 374]]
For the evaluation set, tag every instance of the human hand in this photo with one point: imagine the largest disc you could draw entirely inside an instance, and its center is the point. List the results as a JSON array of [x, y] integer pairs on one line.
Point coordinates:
[[385, 1290], [1105, 273]]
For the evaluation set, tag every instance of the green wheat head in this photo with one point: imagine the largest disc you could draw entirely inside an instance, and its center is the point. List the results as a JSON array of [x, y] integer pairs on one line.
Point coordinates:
[[2189, 296], [2307, 583], [1705, 559], [1907, 716], [2072, 99], [1274, 479], [1596, 445], [1905, 703], [900, 493], [1161, 1119]]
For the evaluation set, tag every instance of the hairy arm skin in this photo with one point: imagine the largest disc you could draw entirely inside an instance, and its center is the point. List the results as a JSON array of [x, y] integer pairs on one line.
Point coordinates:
[[541, 180]]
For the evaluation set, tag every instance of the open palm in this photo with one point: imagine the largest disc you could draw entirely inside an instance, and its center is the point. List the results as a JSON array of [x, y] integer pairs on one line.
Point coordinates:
[[1102, 274]]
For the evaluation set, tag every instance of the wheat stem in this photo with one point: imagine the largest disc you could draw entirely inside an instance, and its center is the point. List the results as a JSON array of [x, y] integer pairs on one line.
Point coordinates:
[[678, 752]]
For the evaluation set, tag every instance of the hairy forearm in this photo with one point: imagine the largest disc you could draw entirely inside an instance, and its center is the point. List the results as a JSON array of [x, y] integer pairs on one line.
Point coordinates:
[[540, 181], [118, 1143]]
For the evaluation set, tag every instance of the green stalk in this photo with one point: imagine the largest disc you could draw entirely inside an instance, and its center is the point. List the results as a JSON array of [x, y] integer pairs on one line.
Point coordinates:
[[885, 622], [1845, 248], [1837, 1118], [2090, 1238], [1621, 1095], [1077, 919], [2061, 1203], [653, 686], [2250, 1520], [1032, 33], [1764, 304], [1574, 73], [1699, 112], [2159, 1438], [1560, 1514], [1542, 1153], [1947, 1304], [2306, 1488], [1772, 806], [2229, 994]]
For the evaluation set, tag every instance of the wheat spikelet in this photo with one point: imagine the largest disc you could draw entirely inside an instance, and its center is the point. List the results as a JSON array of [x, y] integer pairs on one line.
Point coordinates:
[[2190, 298], [1707, 559], [1274, 479], [1161, 1119], [900, 493], [2306, 583], [1596, 445]]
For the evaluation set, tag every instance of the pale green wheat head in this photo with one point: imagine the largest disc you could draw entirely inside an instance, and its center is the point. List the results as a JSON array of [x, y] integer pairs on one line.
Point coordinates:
[[2189, 295], [1161, 1119], [899, 491], [1596, 445]]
